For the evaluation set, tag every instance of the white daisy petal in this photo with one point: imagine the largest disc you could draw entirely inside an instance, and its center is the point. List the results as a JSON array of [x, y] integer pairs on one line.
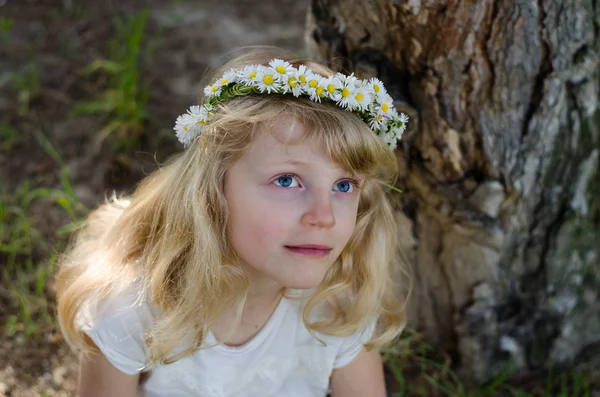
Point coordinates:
[[314, 87], [205, 114], [377, 122], [228, 78], [363, 98], [349, 81], [283, 70], [385, 97], [267, 80], [393, 144], [300, 75], [333, 87], [390, 138], [212, 90], [248, 74], [292, 85], [187, 128], [403, 118], [377, 86], [194, 110], [317, 93], [384, 108], [347, 99]]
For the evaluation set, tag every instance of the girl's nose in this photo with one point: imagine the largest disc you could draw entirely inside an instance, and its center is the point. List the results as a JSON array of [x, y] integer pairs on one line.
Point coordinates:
[[319, 212]]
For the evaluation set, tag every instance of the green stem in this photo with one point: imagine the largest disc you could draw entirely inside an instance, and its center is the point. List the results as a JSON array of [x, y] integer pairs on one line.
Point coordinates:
[[392, 187]]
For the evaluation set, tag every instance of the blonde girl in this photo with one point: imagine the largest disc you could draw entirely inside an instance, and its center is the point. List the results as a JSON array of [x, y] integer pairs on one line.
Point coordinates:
[[259, 261]]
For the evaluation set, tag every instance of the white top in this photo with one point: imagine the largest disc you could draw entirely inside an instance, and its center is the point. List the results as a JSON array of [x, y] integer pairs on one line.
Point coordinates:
[[283, 359]]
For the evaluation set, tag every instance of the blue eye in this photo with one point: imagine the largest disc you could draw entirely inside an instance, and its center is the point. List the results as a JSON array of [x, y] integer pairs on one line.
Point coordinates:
[[345, 186], [286, 181]]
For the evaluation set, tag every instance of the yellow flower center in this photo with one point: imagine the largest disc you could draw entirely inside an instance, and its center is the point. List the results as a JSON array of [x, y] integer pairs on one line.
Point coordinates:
[[375, 88], [203, 122], [379, 118], [345, 92], [385, 107], [223, 82], [313, 83], [331, 88], [359, 97], [319, 90], [280, 69], [252, 75], [185, 128], [214, 88], [302, 78], [292, 82], [268, 80]]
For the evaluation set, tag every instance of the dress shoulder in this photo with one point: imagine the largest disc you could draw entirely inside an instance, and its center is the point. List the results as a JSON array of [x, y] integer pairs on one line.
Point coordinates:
[[118, 325]]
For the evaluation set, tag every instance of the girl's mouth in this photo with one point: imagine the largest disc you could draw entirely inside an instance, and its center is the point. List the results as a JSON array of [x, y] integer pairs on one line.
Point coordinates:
[[311, 250]]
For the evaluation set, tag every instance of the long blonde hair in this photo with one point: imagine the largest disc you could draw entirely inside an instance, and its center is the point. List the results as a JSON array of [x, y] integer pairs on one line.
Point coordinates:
[[172, 233]]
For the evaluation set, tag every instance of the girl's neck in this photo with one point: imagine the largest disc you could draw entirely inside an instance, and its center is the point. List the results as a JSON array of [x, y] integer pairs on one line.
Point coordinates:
[[262, 290], [261, 301]]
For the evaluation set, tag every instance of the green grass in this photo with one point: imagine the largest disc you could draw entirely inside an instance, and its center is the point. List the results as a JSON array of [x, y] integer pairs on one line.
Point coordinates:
[[6, 25], [421, 371], [9, 137], [22, 244], [123, 103], [26, 84]]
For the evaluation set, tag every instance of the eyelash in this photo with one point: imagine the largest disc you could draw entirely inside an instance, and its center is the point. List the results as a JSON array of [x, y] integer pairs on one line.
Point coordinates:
[[354, 182]]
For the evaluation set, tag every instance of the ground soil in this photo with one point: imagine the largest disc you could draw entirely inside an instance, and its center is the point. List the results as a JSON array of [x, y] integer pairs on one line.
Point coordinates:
[[54, 41]]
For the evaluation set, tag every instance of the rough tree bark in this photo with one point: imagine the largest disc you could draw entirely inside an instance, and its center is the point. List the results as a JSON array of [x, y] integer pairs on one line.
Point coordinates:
[[500, 217]]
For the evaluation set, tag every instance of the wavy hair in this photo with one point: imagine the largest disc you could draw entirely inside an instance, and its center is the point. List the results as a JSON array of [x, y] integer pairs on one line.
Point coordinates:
[[171, 234]]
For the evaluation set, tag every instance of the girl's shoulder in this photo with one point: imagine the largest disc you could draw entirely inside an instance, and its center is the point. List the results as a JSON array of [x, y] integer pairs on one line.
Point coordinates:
[[122, 303], [117, 324]]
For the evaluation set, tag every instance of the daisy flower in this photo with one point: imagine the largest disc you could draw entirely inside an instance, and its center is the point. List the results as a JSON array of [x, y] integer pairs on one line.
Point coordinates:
[[384, 107], [212, 90], [399, 125], [377, 122], [314, 86], [377, 86], [349, 81], [333, 86], [318, 91], [300, 76], [228, 78], [350, 87], [292, 85], [283, 70], [267, 81], [403, 120], [393, 143], [390, 138], [363, 98], [189, 125], [346, 99], [248, 75]]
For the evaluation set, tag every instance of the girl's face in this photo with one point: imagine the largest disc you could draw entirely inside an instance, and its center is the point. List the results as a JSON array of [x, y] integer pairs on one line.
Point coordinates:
[[291, 211]]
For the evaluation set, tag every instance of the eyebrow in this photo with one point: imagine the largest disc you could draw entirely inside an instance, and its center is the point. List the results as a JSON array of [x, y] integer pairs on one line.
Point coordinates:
[[286, 162], [295, 162]]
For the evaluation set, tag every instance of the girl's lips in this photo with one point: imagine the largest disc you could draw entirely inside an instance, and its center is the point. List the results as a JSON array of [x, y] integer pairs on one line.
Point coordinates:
[[315, 251]]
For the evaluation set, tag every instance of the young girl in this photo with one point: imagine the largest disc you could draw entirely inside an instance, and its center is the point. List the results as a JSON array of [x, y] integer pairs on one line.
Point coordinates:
[[258, 262]]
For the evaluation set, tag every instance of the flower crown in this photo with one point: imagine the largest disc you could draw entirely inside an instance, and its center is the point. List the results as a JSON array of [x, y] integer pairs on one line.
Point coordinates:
[[366, 98]]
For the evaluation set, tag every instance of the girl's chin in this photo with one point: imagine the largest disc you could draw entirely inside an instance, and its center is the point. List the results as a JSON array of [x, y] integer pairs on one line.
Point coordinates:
[[303, 282]]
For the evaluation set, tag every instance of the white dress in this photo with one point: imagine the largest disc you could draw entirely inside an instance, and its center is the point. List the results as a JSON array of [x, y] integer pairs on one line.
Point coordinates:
[[283, 359]]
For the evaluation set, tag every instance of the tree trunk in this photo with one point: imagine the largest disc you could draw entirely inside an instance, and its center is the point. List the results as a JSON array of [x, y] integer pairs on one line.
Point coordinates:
[[500, 217]]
